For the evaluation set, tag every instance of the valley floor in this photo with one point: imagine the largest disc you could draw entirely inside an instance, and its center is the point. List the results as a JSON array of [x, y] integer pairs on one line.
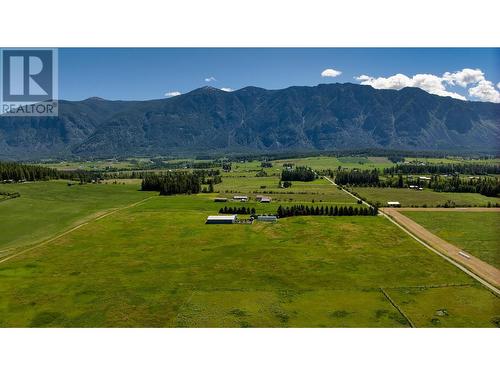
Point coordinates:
[[156, 264]]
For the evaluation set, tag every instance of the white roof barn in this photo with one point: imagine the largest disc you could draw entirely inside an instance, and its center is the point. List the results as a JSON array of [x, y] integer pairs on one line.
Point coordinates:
[[221, 219]]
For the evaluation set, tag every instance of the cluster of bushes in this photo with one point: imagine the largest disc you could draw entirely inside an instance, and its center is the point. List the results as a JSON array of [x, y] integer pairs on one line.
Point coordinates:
[[8, 195], [266, 164], [357, 178], [302, 210], [237, 210], [170, 183], [298, 174]]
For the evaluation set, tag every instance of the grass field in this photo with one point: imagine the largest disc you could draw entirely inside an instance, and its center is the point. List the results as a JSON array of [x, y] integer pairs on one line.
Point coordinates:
[[159, 265], [47, 208], [430, 198], [475, 232]]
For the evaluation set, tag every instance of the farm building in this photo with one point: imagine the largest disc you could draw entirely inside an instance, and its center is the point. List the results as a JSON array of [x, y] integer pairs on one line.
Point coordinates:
[[263, 199], [220, 199], [423, 178], [241, 198], [394, 204], [221, 219], [269, 218]]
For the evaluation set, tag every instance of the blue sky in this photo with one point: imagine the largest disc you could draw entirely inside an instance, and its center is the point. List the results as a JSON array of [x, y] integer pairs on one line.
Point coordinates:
[[138, 74]]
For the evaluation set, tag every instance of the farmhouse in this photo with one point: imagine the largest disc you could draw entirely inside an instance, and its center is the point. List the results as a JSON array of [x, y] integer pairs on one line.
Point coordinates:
[[241, 198], [394, 204], [221, 219], [268, 218], [220, 199]]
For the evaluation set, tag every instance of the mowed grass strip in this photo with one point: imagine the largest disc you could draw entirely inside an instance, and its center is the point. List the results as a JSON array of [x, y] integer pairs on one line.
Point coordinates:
[[427, 197], [475, 232], [159, 265]]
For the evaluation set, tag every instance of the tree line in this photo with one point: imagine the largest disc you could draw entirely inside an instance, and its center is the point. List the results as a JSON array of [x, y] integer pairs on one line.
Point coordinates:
[[489, 187], [237, 210], [303, 210], [462, 168], [18, 172], [357, 177], [298, 174], [170, 183]]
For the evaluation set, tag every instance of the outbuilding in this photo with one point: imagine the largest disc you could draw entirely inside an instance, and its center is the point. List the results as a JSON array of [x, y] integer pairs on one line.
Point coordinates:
[[241, 198], [221, 219], [424, 178], [394, 204], [220, 199], [265, 200], [268, 218]]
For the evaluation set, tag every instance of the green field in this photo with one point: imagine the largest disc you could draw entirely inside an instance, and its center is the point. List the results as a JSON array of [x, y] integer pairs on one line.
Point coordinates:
[[426, 197], [47, 208], [158, 265], [475, 232]]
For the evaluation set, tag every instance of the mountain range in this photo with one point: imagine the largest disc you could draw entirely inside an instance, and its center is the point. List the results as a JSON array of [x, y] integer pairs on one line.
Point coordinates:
[[252, 120]]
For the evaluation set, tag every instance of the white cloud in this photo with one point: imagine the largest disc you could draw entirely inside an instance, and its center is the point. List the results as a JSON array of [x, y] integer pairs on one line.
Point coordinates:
[[464, 77], [172, 93], [210, 79], [485, 91], [498, 85], [427, 82], [330, 73], [227, 89]]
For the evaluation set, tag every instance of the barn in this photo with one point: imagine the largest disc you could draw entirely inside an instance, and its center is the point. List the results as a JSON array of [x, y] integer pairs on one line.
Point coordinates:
[[221, 219], [394, 204]]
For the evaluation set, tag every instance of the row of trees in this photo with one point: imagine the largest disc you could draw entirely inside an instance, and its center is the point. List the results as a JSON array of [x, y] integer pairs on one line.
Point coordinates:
[[237, 210], [462, 168], [302, 210], [357, 177], [170, 183], [489, 187], [298, 174], [18, 172], [23, 172]]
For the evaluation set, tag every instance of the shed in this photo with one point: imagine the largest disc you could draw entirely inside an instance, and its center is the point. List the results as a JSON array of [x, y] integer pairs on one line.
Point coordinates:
[[423, 178], [241, 198], [268, 218], [265, 200], [394, 204], [220, 199], [221, 219]]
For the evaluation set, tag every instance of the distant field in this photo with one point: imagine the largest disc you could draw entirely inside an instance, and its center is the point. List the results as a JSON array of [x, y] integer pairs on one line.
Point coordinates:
[[319, 190], [327, 162], [159, 265], [430, 198], [475, 232], [454, 160]]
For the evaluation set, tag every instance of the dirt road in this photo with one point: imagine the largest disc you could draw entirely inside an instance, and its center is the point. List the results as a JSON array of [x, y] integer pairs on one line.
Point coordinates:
[[457, 209], [477, 266]]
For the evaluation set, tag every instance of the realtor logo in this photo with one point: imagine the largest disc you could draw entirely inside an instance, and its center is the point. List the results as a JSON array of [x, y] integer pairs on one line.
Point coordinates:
[[28, 82]]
